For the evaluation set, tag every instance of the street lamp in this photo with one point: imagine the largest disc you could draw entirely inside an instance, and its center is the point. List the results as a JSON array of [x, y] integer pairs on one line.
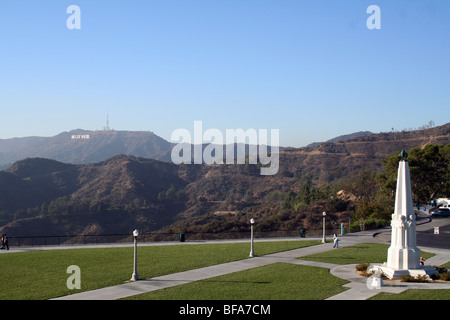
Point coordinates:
[[135, 276], [324, 214], [252, 253]]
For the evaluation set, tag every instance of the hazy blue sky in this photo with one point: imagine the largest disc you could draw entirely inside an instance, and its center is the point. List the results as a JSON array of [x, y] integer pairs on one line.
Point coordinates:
[[311, 69]]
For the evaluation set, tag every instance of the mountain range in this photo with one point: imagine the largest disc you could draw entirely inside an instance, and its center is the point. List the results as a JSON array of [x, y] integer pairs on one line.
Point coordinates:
[[85, 182], [84, 146]]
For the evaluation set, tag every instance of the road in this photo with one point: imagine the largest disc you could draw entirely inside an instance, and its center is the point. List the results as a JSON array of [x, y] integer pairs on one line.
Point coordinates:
[[427, 238], [425, 233]]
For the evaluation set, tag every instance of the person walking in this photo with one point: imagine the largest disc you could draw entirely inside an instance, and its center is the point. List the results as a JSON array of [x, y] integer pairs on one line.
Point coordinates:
[[335, 241], [5, 242]]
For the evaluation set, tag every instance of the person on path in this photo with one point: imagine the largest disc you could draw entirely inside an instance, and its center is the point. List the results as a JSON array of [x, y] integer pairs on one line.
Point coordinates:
[[5, 242], [335, 241]]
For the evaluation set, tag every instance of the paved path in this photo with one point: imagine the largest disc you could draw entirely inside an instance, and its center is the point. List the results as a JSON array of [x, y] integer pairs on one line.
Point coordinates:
[[357, 285]]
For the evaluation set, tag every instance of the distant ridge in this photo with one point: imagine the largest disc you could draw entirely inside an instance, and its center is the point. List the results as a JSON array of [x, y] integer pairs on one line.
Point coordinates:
[[328, 161], [344, 137], [84, 146]]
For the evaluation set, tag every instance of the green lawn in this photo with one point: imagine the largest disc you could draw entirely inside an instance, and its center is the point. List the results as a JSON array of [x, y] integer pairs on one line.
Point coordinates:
[[415, 294], [361, 253], [42, 274], [278, 281], [281, 281]]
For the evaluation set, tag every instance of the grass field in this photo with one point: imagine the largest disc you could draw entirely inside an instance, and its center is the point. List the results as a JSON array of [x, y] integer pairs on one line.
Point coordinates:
[[42, 274], [415, 294], [282, 281], [361, 253], [278, 281]]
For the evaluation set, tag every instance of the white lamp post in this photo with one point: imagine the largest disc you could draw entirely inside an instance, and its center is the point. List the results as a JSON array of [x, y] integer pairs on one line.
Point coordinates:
[[252, 253], [135, 276], [324, 214]]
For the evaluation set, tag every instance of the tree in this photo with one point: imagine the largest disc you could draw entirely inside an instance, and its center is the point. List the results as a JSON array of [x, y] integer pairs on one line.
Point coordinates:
[[429, 170], [372, 201], [289, 201], [94, 206], [362, 184], [388, 179], [363, 211], [44, 209]]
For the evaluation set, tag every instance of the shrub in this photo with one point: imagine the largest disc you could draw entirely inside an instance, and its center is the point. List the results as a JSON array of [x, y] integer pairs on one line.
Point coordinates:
[[444, 276], [362, 267], [440, 269], [409, 278], [422, 278]]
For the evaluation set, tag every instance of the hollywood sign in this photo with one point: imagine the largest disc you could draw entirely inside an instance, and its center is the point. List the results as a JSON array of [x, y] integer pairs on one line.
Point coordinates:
[[80, 137]]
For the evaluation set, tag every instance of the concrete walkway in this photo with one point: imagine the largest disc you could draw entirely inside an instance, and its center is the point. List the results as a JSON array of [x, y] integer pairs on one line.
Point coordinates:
[[358, 289]]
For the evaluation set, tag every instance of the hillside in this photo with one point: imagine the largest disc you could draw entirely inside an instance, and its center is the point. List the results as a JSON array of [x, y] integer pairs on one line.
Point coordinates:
[[329, 161], [124, 188], [47, 197], [344, 137], [82, 146]]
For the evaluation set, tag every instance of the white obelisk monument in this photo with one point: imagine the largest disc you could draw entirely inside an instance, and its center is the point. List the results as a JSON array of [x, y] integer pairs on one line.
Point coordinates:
[[403, 255]]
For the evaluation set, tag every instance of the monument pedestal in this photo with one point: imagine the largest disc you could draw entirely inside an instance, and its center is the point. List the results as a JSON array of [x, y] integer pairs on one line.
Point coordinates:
[[403, 258], [396, 274]]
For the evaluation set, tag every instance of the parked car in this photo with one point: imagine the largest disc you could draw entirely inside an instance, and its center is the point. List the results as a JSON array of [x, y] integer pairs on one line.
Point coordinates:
[[440, 213]]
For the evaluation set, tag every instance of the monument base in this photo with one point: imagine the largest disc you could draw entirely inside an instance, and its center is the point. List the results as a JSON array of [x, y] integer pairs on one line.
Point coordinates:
[[403, 258], [395, 274]]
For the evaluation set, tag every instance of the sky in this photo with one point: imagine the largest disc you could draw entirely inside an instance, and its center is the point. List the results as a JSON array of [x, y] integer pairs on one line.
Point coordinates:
[[310, 68]]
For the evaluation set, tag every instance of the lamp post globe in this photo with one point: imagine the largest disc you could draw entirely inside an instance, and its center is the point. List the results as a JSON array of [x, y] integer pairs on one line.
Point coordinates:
[[135, 276], [252, 252], [324, 214]]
